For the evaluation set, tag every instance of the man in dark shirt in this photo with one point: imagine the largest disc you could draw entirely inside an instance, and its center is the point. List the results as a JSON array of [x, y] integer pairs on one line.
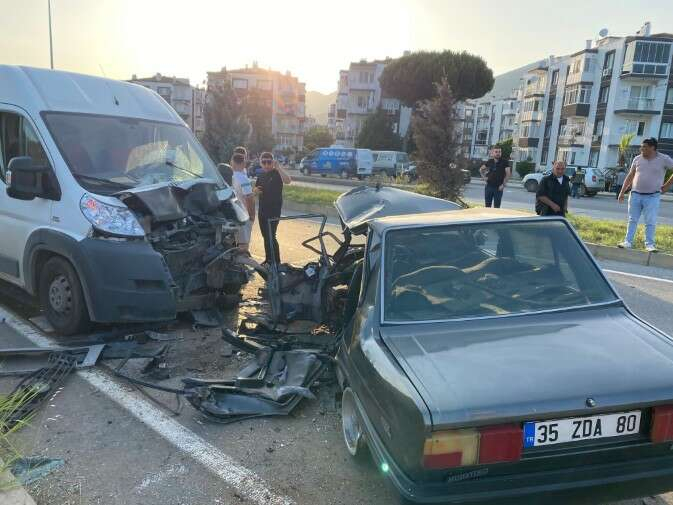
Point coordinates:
[[269, 188], [553, 191], [495, 172]]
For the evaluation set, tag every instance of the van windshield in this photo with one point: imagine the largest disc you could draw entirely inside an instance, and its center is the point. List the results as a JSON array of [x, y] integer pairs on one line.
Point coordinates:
[[108, 153]]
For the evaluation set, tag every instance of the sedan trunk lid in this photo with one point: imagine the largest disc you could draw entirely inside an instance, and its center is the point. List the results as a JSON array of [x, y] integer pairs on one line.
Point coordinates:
[[534, 366]]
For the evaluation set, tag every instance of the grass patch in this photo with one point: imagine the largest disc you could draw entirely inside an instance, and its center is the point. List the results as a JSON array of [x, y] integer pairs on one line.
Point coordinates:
[[596, 231], [611, 233], [9, 453], [310, 196]]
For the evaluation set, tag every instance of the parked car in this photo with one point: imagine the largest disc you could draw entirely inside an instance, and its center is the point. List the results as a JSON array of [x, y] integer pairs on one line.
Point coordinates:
[[342, 161], [390, 163], [110, 209], [593, 180], [501, 368]]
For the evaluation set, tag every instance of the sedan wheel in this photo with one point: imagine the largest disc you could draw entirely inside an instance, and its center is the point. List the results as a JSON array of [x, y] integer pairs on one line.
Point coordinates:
[[531, 185], [350, 423]]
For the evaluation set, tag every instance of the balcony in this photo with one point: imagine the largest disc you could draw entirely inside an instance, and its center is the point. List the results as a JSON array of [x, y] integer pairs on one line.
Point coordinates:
[[577, 77], [534, 90], [532, 115], [636, 106], [574, 140], [508, 111], [575, 110], [613, 140], [528, 141]]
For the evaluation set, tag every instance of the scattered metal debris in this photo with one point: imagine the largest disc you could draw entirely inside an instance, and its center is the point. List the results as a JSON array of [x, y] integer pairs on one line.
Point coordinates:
[[36, 388], [272, 384]]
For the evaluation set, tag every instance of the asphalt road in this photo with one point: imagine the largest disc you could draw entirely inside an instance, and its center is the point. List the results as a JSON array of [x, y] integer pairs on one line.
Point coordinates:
[[121, 448], [601, 206]]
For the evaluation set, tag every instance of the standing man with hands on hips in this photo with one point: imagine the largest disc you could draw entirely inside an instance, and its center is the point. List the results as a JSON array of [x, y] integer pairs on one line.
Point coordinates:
[[269, 189], [496, 173], [646, 182]]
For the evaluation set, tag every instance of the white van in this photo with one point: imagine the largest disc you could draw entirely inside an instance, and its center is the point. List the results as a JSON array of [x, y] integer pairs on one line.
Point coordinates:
[[110, 209], [390, 163]]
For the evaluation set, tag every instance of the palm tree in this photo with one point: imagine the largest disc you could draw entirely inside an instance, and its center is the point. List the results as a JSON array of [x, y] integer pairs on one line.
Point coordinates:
[[624, 146]]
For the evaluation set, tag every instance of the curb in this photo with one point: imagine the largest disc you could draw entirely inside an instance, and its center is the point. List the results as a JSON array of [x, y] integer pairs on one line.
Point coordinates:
[[16, 495], [659, 260]]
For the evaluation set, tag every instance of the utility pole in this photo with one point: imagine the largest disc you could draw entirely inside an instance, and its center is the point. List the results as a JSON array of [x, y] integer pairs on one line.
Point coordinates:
[[51, 47]]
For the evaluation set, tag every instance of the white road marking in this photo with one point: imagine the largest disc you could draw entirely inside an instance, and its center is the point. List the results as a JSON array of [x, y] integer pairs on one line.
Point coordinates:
[[638, 276], [244, 481]]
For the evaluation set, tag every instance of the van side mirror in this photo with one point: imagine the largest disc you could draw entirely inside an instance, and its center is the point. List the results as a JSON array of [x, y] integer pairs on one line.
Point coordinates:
[[26, 181]]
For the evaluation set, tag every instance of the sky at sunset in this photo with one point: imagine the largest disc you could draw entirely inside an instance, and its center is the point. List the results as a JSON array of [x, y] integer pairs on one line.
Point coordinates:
[[312, 39]]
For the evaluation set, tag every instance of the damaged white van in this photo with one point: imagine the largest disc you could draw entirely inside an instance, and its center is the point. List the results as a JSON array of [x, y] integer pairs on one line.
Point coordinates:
[[110, 209]]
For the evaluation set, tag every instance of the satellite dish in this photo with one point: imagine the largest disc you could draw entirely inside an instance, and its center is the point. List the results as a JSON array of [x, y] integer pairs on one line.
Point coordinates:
[[603, 32]]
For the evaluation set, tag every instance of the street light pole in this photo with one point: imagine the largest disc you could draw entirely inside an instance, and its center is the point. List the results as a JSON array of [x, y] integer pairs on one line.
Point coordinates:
[[51, 47]]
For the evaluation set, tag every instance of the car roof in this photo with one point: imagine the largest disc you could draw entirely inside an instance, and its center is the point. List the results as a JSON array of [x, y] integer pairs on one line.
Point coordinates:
[[382, 224], [37, 90]]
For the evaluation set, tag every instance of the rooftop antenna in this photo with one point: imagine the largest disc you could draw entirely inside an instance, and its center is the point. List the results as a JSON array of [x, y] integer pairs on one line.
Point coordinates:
[[51, 46]]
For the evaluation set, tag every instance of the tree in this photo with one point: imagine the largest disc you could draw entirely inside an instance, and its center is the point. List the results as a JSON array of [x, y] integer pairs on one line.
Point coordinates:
[[377, 133], [258, 112], [317, 136], [624, 147], [506, 148], [413, 77], [438, 162], [225, 125]]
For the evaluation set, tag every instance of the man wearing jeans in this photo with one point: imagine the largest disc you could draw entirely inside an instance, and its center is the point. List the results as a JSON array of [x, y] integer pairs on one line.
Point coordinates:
[[496, 172], [646, 182]]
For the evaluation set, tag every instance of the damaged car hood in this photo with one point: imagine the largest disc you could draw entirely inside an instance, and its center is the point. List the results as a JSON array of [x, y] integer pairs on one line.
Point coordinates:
[[532, 366], [172, 201], [362, 204]]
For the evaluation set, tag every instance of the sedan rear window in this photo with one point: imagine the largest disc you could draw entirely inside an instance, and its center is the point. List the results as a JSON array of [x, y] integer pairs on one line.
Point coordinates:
[[489, 269]]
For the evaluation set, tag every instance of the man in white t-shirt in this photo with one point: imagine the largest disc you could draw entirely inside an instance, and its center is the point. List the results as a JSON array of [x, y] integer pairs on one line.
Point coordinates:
[[646, 182], [243, 189]]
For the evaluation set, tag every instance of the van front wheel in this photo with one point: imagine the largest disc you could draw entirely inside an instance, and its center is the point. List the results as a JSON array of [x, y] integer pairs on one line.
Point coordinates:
[[61, 297]]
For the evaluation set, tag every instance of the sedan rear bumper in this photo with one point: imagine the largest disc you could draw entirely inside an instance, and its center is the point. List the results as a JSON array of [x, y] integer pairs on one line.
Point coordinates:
[[586, 484]]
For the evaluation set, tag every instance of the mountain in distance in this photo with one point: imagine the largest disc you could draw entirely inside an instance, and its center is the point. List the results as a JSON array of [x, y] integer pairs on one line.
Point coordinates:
[[317, 105]]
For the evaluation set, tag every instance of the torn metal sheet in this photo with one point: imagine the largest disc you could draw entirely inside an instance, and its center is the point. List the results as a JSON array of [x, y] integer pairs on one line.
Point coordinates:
[[271, 385], [25, 361]]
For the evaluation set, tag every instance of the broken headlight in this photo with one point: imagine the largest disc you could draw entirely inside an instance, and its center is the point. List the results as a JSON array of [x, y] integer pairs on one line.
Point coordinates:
[[115, 220]]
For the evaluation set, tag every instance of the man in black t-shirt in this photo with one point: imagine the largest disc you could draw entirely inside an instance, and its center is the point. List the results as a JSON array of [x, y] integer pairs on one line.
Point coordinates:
[[269, 188], [553, 191], [495, 172]]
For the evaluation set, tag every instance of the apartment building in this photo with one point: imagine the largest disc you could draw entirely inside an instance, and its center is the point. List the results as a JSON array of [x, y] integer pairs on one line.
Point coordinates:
[[359, 95], [576, 108], [279, 98], [187, 100]]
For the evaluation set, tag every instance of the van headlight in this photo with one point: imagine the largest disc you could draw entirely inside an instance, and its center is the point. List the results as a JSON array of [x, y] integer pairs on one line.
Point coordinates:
[[115, 220]]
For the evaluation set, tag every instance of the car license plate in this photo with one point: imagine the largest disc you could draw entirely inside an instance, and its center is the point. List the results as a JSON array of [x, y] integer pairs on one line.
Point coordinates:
[[561, 431]]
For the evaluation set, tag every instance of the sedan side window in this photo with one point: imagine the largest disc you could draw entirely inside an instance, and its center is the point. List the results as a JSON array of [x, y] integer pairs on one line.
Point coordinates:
[[18, 138]]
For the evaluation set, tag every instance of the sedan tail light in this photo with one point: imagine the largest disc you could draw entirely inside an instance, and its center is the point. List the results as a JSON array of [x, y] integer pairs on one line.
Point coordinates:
[[491, 444], [662, 424]]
